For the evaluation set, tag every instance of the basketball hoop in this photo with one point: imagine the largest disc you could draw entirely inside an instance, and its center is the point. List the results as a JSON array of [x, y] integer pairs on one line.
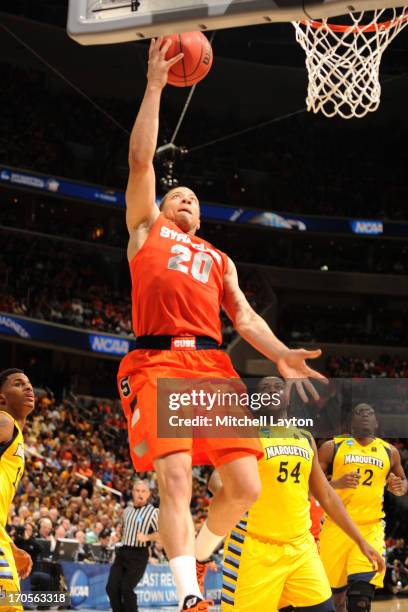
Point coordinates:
[[343, 61]]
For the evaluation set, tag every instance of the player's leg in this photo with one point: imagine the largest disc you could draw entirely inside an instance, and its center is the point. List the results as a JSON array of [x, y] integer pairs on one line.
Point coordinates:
[[340, 599], [174, 476], [360, 594], [9, 581], [362, 579], [335, 548], [253, 574], [306, 586], [171, 458], [241, 487]]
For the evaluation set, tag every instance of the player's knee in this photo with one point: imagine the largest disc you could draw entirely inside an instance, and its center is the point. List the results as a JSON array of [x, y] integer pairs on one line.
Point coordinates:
[[359, 596], [245, 494], [339, 599], [175, 484]]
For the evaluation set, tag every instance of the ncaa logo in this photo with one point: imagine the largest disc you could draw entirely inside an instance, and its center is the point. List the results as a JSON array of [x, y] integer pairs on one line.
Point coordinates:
[[349, 442], [79, 588]]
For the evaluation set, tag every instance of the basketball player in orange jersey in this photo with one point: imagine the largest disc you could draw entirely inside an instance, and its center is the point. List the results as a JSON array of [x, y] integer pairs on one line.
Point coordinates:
[[179, 283]]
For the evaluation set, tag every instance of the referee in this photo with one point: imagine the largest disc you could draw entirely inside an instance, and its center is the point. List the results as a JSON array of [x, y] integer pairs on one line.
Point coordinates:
[[140, 527]]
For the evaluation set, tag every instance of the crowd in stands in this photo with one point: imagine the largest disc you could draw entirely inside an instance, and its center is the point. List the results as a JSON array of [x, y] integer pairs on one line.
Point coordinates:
[[296, 168], [357, 323], [50, 280], [385, 366]]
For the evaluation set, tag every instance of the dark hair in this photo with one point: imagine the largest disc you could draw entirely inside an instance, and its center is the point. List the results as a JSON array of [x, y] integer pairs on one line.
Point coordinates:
[[6, 373]]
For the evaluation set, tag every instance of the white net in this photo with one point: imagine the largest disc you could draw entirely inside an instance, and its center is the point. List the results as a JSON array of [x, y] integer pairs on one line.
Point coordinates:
[[343, 62]]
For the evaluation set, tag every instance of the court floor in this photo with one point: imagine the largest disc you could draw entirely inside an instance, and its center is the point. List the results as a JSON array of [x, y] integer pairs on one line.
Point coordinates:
[[391, 605]]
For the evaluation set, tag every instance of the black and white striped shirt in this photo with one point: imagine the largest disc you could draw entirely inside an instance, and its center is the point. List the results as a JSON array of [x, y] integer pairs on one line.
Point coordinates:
[[139, 520]]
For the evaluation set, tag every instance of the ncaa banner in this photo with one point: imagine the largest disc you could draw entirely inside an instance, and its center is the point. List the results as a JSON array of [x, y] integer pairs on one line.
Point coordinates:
[[86, 583], [64, 336]]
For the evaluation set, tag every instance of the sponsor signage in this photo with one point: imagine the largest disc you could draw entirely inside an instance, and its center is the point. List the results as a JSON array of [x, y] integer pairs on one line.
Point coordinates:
[[367, 227], [108, 345]]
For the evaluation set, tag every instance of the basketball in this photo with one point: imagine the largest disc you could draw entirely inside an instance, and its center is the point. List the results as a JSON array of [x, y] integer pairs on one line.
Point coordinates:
[[197, 60]]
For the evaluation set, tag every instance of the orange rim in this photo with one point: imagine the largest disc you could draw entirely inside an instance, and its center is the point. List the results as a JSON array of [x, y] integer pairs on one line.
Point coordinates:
[[373, 27]]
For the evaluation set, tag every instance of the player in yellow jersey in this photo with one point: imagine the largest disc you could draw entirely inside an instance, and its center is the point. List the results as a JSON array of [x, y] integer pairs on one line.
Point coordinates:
[[360, 466], [271, 560], [16, 402]]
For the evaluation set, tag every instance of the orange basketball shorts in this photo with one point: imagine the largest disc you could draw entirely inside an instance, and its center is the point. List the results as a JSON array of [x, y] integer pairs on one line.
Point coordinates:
[[138, 374]]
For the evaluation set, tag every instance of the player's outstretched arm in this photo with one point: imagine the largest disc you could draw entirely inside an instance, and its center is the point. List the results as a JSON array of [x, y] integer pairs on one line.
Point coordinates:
[[140, 193], [334, 507], [397, 483], [291, 363]]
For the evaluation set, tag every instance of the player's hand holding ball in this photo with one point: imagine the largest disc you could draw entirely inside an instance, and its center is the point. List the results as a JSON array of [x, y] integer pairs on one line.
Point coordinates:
[[196, 61], [158, 65]]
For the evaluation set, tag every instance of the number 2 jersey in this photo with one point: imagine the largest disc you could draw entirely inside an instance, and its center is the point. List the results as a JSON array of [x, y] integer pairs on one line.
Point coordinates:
[[373, 461], [177, 284], [282, 511], [11, 470]]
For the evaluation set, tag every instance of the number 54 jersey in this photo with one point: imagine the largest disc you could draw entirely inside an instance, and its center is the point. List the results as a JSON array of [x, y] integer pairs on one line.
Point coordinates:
[[282, 511], [365, 503], [177, 284]]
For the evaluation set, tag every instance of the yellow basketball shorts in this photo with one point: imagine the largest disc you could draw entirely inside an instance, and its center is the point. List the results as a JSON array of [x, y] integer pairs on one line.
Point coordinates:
[[9, 581], [260, 575], [342, 559]]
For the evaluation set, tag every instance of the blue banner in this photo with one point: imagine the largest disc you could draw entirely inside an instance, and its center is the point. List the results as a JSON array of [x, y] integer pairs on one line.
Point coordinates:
[[61, 187], [209, 211], [64, 336], [86, 584]]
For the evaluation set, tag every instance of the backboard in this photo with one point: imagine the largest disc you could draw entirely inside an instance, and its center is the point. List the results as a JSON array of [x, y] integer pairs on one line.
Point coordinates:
[[93, 22]]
